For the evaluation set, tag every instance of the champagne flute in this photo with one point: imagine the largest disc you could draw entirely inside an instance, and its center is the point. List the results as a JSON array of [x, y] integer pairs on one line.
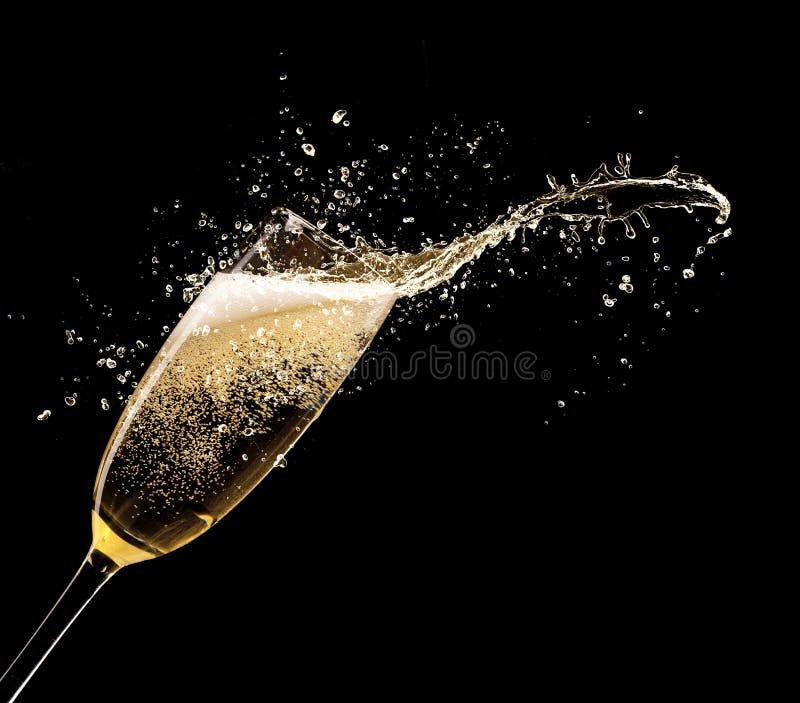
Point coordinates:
[[248, 368]]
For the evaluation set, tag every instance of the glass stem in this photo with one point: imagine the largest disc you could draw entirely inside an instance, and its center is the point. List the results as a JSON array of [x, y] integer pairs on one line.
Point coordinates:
[[95, 570]]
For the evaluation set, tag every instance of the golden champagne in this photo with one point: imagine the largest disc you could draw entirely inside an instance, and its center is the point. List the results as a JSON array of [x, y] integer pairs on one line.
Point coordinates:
[[241, 377], [259, 354]]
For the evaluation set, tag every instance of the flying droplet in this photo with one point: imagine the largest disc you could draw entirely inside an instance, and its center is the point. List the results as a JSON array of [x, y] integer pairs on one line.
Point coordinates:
[[298, 172], [43, 415], [383, 147], [111, 363], [338, 116], [308, 149], [688, 273], [104, 403], [70, 400], [561, 404], [408, 219], [338, 194]]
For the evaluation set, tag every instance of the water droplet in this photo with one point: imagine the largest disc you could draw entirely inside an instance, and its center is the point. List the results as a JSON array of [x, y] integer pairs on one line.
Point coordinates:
[[383, 147], [688, 273], [70, 399], [43, 415], [338, 194], [623, 360], [338, 116], [120, 352], [282, 77], [222, 429], [111, 363], [101, 362], [308, 149], [321, 223], [244, 457], [104, 403], [70, 339], [280, 461], [561, 404], [298, 171]]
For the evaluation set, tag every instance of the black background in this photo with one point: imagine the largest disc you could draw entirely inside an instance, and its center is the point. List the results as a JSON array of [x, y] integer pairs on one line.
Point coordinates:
[[421, 522]]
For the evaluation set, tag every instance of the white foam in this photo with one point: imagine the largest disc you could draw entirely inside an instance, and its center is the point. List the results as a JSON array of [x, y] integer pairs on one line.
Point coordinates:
[[231, 297]]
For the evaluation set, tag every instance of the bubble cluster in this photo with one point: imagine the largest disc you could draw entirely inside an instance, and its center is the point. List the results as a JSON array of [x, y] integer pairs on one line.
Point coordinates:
[[243, 374]]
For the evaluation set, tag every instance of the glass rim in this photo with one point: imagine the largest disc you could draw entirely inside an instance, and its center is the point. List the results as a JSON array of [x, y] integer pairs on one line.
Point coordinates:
[[314, 233]]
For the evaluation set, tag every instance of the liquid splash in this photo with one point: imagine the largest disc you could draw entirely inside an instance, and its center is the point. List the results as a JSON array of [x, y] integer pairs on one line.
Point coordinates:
[[606, 196]]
